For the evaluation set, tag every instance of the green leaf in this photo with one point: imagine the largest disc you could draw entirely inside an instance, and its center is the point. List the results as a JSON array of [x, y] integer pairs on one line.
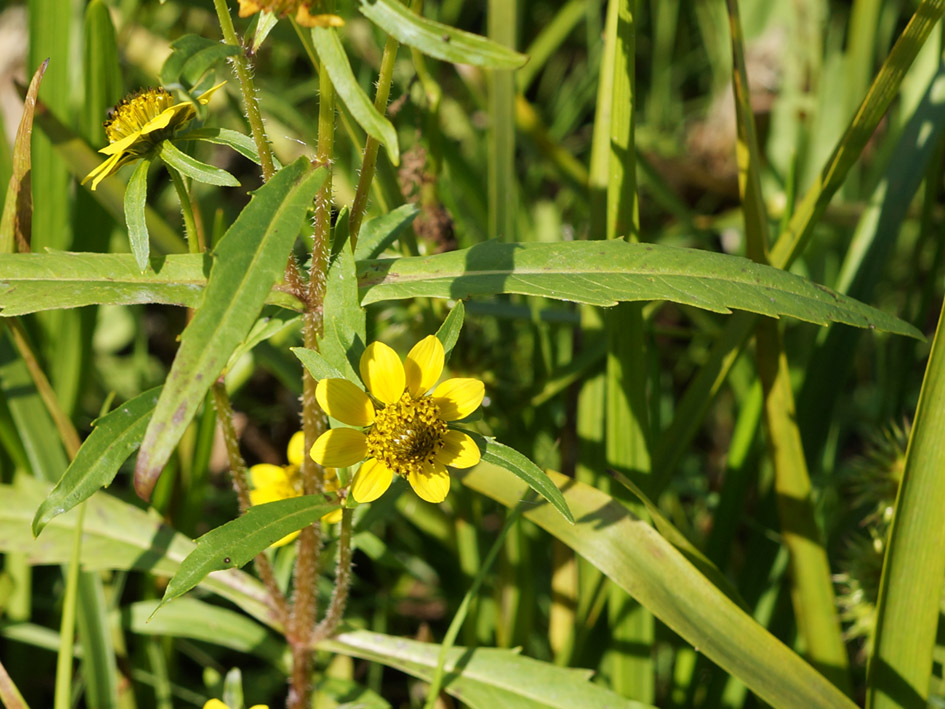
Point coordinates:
[[438, 40], [17, 214], [50, 281], [516, 463], [191, 57], [633, 555], [449, 331], [344, 336], [379, 233], [194, 169], [242, 144], [264, 25], [235, 543], [605, 273], [317, 366], [248, 260], [115, 437], [115, 535], [136, 201], [334, 59], [269, 325], [484, 678], [34, 282]]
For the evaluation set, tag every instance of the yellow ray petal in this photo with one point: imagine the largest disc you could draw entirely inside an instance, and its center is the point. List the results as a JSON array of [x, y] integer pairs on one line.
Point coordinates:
[[431, 484], [296, 448], [290, 537], [342, 400], [424, 365], [371, 481], [267, 475], [459, 450], [106, 168], [306, 19], [339, 448], [119, 146], [204, 98], [164, 118], [215, 704], [382, 372], [457, 398]]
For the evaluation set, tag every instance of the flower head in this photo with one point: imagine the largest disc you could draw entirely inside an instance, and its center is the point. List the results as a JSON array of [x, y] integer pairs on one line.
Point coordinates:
[[217, 704], [405, 429], [279, 482], [137, 125], [302, 10]]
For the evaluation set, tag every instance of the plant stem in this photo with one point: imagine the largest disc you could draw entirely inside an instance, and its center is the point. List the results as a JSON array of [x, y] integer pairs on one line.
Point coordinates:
[[339, 595], [371, 146], [63, 694], [195, 241], [245, 76]]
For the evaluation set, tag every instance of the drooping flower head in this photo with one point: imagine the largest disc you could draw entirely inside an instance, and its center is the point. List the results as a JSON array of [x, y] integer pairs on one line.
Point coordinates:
[[402, 426], [279, 482], [306, 12], [137, 125]]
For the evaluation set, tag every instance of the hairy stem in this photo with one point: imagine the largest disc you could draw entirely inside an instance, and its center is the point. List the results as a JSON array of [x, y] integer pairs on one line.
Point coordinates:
[[195, 240], [339, 595], [250, 103], [371, 145]]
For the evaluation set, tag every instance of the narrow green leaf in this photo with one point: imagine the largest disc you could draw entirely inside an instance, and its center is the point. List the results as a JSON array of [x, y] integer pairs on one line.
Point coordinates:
[[379, 233], [235, 543], [319, 367], [248, 260], [102, 71], [191, 57], [345, 334], [484, 677], [50, 281], [17, 216], [910, 594], [516, 463], [136, 201], [632, 554], [264, 25], [334, 59], [194, 169], [605, 273], [438, 40], [242, 144], [449, 331], [115, 437]]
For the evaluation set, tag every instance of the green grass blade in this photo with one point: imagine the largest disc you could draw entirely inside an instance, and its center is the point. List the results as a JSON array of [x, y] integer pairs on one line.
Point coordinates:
[[136, 202], [503, 188], [911, 588], [438, 40], [333, 58], [250, 256]]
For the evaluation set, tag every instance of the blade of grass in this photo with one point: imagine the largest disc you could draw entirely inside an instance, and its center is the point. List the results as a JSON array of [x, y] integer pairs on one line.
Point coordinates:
[[911, 587]]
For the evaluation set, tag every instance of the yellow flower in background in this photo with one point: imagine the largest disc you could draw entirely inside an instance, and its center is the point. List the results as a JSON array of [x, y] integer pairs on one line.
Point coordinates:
[[217, 704], [405, 428], [138, 124], [279, 482], [302, 10]]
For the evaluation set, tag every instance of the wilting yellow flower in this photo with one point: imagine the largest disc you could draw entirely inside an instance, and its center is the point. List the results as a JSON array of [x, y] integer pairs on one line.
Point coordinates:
[[405, 429], [217, 704], [138, 124], [278, 482], [300, 9]]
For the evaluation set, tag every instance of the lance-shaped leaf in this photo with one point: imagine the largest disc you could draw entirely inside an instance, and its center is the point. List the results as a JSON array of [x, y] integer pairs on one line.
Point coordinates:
[[334, 59], [115, 437], [242, 144], [61, 279], [235, 543], [194, 169], [136, 202], [438, 40], [250, 257], [15, 224], [608, 272]]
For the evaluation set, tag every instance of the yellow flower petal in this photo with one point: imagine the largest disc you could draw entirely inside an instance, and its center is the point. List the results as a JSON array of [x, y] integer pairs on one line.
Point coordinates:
[[431, 484], [383, 373], [215, 704], [267, 475], [371, 481], [424, 365], [164, 118], [306, 19], [342, 400], [119, 146], [459, 450], [247, 8], [333, 517], [457, 398], [339, 448], [204, 98], [296, 449], [107, 168], [262, 495], [288, 538]]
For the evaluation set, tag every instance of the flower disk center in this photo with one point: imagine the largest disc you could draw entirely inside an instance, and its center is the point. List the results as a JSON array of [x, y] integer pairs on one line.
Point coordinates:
[[133, 112], [407, 434]]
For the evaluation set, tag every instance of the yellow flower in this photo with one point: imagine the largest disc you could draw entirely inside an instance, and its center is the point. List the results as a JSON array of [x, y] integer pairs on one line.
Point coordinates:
[[217, 704], [277, 482], [406, 428], [138, 124], [302, 9]]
